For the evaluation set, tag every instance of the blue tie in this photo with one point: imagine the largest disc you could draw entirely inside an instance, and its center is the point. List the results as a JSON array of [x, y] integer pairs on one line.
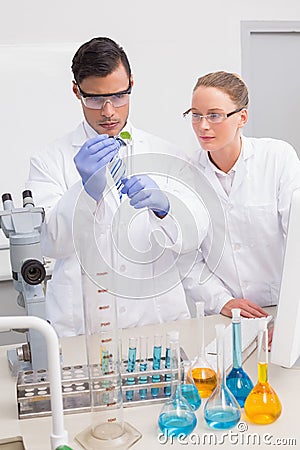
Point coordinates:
[[117, 169]]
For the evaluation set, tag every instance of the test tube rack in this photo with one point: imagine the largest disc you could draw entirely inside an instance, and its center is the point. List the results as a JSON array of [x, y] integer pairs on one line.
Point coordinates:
[[33, 390]]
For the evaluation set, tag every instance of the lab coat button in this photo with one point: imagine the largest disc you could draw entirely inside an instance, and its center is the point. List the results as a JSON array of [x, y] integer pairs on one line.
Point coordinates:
[[236, 247], [122, 268], [244, 284]]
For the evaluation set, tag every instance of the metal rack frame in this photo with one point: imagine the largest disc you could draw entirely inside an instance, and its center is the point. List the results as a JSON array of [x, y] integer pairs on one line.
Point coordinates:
[[33, 390]]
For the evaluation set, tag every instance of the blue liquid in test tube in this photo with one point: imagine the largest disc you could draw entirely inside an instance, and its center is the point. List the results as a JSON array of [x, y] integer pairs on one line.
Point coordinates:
[[131, 365], [143, 365], [156, 363], [104, 360], [168, 376]]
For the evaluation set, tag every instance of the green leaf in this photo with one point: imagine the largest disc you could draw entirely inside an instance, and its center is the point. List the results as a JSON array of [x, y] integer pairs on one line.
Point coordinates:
[[125, 135], [63, 447]]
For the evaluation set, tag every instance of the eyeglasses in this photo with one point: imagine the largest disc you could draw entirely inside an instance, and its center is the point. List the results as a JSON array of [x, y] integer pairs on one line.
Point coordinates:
[[95, 101], [211, 118]]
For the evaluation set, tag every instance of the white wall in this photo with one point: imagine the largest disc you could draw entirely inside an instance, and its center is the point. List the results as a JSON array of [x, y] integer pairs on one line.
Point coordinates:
[[169, 45]]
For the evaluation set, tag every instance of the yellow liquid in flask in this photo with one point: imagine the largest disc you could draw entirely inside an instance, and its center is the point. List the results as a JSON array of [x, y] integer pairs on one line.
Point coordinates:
[[262, 405], [205, 380]]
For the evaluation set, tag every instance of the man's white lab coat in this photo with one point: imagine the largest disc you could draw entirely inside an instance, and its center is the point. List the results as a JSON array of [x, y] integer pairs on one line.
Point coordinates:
[[256, 215], [56, 185]]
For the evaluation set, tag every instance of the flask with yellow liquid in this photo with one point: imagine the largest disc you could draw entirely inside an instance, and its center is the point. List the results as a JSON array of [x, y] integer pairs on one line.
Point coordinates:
[[204, 376], [262, 405]]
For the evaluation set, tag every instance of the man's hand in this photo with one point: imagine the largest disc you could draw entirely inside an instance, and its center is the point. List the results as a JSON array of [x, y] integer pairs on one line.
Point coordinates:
[[91, 161], [145, 193], [248, 308]]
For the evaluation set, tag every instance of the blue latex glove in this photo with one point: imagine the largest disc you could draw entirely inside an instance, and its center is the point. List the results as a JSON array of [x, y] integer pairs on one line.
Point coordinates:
[[145, 193], [91, 161]]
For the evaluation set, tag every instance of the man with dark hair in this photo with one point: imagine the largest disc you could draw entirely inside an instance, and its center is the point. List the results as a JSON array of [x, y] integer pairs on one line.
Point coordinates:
[[86, 162]]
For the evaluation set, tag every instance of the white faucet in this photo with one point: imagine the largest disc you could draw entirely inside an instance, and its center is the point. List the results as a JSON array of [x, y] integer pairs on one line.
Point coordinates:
[[59, 436]]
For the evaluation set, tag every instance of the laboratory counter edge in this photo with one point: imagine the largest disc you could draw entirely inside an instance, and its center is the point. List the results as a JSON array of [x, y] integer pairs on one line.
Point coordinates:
[[284, 433]]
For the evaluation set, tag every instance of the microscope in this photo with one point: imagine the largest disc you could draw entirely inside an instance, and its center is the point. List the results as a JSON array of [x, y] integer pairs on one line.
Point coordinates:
[[22, 226]]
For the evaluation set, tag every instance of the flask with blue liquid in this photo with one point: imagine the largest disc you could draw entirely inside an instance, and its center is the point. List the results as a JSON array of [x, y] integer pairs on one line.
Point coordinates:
[[221, 410], [176, 417], [188, 387], [237, 380]]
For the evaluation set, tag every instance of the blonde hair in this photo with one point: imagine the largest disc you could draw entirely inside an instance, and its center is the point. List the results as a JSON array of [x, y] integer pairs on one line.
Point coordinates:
[[230, 83]]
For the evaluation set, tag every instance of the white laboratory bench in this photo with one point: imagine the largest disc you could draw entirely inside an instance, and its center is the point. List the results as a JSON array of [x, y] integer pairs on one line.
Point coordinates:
[[285, 432]]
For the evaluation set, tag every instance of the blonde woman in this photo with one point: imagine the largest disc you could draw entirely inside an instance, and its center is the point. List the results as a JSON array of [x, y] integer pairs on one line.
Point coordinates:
[[254, 180]]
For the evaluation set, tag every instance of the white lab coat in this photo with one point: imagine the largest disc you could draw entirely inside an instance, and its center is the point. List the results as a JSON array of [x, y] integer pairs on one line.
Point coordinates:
[[56, 185], [256, 217]]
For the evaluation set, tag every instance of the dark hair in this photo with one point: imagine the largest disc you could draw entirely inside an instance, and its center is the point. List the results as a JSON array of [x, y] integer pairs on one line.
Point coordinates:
[[230, 83], [98, 57]]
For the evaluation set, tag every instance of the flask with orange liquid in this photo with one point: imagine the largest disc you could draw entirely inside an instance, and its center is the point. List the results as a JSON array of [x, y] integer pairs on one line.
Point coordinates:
[[262, 405], [204, 376]]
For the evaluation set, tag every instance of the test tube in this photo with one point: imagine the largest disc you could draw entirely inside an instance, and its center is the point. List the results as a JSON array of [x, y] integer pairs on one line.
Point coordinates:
[[143, 360], [156, 363], [126, 136], [168, 376], [131, 365]]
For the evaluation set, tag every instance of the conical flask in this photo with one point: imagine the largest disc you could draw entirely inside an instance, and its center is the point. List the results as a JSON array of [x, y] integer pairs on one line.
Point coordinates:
[[93, 244], [176, 416], [237, 380], [204, 376], [262, 405], [221, 410], [188, 387]]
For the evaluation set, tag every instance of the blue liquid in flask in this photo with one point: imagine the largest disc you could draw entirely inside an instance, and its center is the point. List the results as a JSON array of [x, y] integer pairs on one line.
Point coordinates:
[[222, 418], [173, 423], [191, 394], [176, 416], [238, 382], [221, 410]]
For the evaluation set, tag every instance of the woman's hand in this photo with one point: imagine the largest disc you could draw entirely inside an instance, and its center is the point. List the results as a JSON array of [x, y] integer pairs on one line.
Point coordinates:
[[248, 308]]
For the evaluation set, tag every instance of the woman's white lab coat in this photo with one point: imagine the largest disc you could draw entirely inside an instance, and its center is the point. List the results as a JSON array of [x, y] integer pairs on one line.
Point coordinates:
[[56, 185], [256, 215]]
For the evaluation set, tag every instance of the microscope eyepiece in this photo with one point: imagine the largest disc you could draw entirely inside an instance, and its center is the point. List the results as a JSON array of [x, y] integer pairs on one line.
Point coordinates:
[[27, 198], [6, 196], [33, 271], [26, 193]]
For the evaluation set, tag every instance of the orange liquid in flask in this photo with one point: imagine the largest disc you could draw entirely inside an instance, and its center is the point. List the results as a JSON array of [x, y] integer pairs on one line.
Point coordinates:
[[262, 405], [205, 380]]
